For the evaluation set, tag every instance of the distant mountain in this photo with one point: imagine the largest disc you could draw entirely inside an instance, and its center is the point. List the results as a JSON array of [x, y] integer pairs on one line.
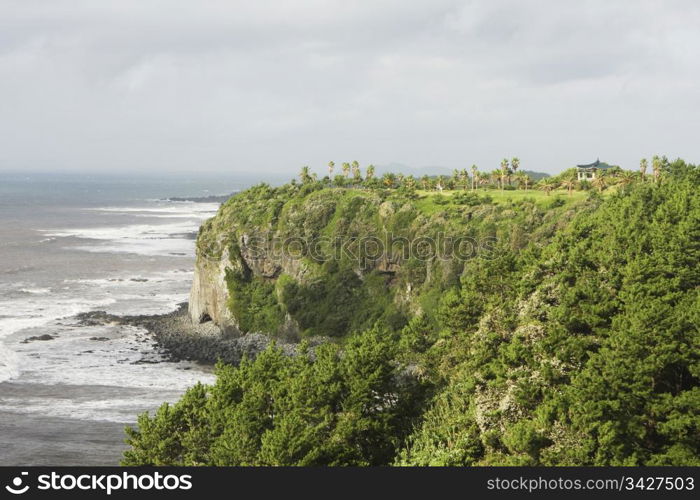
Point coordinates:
[[536, 175]]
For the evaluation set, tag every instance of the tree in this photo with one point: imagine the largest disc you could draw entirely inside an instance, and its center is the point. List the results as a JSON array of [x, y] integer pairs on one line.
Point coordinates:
[[356, 171], [523, 179], [339, 181], [626, 178], [355, 167], [504, 172], [333, 408], [515, 164], [331, 166], [569, 184], [547, 185], [389, 180], [455, 177], [304, 175], [346, 169], [643, 165], [600, 182], [475, 171], [656, 167], [495, 177], [425, 182], [464, 177], [370, 172]]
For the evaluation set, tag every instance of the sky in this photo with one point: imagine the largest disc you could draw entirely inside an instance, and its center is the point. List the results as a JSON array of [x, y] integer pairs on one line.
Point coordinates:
[[268, 86]]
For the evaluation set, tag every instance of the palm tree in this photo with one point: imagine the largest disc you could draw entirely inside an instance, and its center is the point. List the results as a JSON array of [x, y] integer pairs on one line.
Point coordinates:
[[370, 172], [410, 182], [656, 167], [356, 171], [482, 178], [304, 174], [504, 172], [425, 182], [523, 179], [569, 184], [388, 180], [464, 177], [495, 177], [514, 165], [643, 165], [475, 171], [547, 185], [331, 166], [346, 169], [626, 178], [600, 182], [455, 176]]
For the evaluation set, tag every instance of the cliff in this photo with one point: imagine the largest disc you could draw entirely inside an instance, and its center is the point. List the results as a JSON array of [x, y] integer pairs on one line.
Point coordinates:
[[309, 260], [209, 293]]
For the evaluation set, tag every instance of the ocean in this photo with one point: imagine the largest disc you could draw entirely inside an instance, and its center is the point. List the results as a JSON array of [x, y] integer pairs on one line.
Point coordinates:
[[72, 244]]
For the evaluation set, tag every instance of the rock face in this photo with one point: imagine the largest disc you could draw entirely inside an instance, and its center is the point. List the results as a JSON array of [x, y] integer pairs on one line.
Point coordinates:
[[209, 294]]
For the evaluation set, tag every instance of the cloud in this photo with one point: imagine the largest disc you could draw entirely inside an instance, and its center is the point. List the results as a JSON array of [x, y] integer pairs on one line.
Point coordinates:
[[272, 85]]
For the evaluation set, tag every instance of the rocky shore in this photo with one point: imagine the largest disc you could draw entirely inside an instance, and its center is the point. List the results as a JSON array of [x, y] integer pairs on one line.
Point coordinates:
[[181, 339]]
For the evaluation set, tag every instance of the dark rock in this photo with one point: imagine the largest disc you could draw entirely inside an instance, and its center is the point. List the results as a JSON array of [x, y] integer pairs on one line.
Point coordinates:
[[46, 336]]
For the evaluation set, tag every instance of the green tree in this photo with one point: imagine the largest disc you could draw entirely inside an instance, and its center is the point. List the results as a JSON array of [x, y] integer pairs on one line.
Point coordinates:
[[370, 172], [643, 165], [547, 185], [305, 175], [569, 184], [504, 172]]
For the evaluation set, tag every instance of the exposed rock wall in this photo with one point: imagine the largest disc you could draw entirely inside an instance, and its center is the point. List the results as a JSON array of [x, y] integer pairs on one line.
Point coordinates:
[[209, 294]]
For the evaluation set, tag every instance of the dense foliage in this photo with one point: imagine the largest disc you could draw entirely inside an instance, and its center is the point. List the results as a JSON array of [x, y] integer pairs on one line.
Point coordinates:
[[301, 255], [335, 408], [576, 341]]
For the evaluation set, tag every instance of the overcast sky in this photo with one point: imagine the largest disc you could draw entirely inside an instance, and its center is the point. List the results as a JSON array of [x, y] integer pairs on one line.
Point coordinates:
[[272, 85]]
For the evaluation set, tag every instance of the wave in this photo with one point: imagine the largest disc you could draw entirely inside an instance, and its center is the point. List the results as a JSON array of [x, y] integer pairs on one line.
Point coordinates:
[[9, 364], [143, 239], [21, 314], [186, 209], [171, 238]]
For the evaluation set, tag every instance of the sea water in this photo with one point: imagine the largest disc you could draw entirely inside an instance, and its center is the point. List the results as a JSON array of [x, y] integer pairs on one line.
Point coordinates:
[[72, 244]]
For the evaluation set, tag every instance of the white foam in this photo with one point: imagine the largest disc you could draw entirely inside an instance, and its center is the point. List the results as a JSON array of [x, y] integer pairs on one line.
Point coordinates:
[[36, 291], [90, 375], [170, 238], [22, 314], [9, 364], [71, 358], [189, 209]]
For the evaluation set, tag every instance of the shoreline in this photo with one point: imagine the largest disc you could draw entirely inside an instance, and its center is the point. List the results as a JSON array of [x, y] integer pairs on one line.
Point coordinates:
[[181, 340]]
